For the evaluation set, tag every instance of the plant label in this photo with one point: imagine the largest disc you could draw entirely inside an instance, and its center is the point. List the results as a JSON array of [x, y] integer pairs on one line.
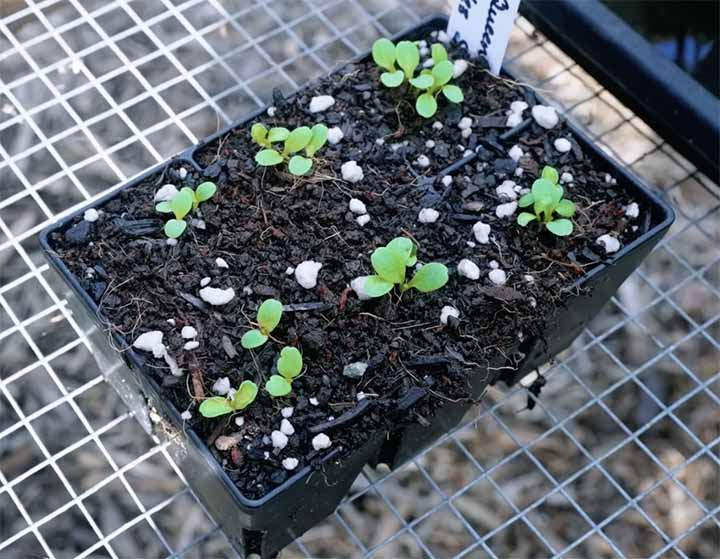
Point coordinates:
[[484, 27]]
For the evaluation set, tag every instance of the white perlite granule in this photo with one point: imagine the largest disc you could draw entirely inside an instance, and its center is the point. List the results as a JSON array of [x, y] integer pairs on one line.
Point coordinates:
[[428, 215], [306, 273], [446, 312], [321, 442], [321, 103], [468, 269]]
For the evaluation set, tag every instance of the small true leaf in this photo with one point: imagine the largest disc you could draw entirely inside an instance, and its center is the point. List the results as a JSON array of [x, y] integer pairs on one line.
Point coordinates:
[[278, 386], [215, 407], [392, 79], [426, 106], [298, 139], [252, 339], [389, 264], [182, 203], [299, 165], [245, 395], [383, 53], [438, 53], [543, 188], [163, 208], [317, 139], [174, 228], [526, 200], [375, 286], [551, 174], [258, 132], [278, 134], [408, 57], [524, 218], [205, 191], [565, 208], [453, 93], [290, 363], [423, 81], [405, 247], [430, 277], [268, 158], [442, 72], [269, 315], [560, 227]]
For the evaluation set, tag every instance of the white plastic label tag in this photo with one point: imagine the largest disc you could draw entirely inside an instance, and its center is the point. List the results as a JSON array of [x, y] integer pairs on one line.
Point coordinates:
[[484, 26]]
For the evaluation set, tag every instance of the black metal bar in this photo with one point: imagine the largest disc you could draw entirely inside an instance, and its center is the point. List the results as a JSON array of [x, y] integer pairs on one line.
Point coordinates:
[[675, 105]]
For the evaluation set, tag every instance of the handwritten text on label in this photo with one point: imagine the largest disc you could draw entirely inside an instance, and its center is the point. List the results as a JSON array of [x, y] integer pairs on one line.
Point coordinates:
[[484, 27]]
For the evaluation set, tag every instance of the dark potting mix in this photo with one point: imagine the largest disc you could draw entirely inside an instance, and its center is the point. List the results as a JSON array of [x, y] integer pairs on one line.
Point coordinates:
[[449, 202]]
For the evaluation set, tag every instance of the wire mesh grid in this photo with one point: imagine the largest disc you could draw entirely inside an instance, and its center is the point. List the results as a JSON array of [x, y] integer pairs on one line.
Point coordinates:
[[619, 457]]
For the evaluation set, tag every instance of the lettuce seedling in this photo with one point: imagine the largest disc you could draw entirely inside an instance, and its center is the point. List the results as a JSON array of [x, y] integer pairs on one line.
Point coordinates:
[[386, 54], [430, 82], [309, 140], [185, 201], [220, 405], [546, 198], [390, 262], [433, 81], [268, 317], [289, 366]]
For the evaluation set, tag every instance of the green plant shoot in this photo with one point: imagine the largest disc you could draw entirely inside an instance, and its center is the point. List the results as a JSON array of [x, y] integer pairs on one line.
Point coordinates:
[[390, 263], [268, 317], [546, 199], [220, 405], [289, 366], [309, 140], [430, 82], [185, 201]]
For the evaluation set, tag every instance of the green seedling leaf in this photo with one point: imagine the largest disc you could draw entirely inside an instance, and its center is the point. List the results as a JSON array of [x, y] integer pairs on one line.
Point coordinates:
[[426, 106], [277, 386], [298, 139], [290, 363], [526, 200], [174, 228], [551, 174], [565, 208], [375, 286], [163, 208], [442, 72], [317, 139], [423, 81], [278, 134], [544, 189], [392, 79], [299, 165], [252, 339], [269, 315], [259, 133], [244, 395], [182, 203], [560, 227], [383, 53], [406, 248], [524, 218], [389, 264], [453, 93], [215, 407], [205, 191], [408, 57], [429, 277], [438, 52], [268, 158]]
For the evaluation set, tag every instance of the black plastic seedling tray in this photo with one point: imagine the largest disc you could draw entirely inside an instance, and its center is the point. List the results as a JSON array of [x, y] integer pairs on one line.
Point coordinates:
[[268, 524]]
